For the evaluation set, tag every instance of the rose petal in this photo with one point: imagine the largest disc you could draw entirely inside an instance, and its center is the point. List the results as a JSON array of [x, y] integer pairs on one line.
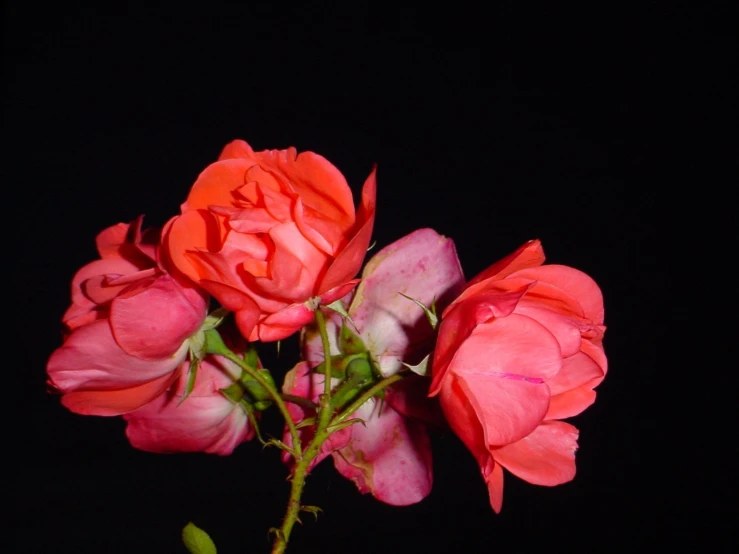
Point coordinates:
[[389, 457], [152, 319], [545, 457], [422, 265]]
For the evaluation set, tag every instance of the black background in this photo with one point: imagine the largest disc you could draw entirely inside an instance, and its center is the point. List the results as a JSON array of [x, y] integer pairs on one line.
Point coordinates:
[[605, 133]]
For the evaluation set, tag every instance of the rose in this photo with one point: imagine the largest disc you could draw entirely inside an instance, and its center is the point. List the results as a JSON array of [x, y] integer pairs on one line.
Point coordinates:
[[266, 233], [520, 349], [389, 454], [204, 421], [127, 327]]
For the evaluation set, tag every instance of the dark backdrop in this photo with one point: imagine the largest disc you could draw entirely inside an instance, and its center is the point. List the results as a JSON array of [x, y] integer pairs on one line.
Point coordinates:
[[600, 132]]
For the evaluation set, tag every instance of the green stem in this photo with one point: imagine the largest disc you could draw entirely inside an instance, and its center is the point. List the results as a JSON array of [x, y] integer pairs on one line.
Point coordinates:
[[297, 483], [215, 345], [302, 466], [369, 393]]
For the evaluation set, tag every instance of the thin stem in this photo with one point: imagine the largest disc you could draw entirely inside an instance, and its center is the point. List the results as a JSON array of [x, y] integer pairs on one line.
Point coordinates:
[[276, 398], [302, 466], [297, 483]]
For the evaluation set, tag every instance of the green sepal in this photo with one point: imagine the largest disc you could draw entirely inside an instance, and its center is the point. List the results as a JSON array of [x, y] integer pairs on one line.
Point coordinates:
[[430, 312], [197, 541], [349, 341], [257, 394], [338, 368], [251, 358], [338, 307], [192, 373], [422, 368], [214, 319], [234, 392], [213, 343]]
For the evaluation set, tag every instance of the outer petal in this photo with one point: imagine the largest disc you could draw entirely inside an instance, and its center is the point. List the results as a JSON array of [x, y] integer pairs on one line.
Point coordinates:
[[573, 282], [153, 318], [390, 457], [457, 325], [545, 457], [422, 265], [116, 402], [347, 263], [216, 184], [529, 255], [205, 422], [91, 360]]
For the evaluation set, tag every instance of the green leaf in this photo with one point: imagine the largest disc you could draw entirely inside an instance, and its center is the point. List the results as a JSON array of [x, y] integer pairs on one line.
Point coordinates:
[[422, 368], [430, 313], [197, 541]]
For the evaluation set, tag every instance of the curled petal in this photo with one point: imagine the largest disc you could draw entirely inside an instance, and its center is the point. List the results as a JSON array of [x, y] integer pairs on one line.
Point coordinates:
[[574, 283], [545, 457], [529, 255]]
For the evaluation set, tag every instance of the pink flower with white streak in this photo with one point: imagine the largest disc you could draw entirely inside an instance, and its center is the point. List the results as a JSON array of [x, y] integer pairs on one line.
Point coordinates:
[[126, 329], [390, 455]]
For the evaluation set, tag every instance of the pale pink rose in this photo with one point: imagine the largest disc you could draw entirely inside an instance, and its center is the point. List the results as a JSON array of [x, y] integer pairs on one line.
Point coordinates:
[[268, 234], [206, 421], [390, 455], [126, 328], [518, 350]]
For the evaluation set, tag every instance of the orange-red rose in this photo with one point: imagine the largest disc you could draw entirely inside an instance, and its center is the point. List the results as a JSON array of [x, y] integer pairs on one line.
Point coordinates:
[[270, 234]]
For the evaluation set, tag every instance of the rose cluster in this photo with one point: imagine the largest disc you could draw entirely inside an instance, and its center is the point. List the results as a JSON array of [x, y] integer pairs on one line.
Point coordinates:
[[163, 330]]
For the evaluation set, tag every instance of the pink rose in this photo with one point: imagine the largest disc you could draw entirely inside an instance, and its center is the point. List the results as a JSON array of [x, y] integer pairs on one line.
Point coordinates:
[[206, 421], [390, 455], [266, 233], [126, 328], [520, 349]]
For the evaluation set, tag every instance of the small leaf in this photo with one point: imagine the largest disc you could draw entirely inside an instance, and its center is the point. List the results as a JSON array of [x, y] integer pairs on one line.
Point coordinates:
[[197, 541], [430, 313], [422, 368]]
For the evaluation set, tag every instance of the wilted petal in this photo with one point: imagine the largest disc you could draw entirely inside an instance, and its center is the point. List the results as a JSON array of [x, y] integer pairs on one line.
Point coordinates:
[[422, 265], [389, 457]]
